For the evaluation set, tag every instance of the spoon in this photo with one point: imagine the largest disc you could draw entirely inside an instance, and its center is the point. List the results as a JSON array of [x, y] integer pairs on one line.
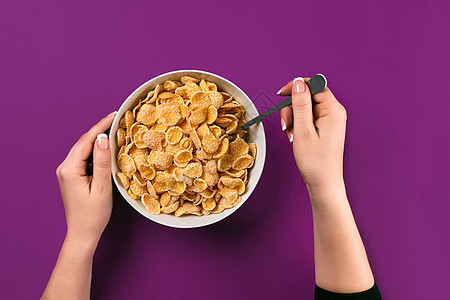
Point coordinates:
[[316, 85]]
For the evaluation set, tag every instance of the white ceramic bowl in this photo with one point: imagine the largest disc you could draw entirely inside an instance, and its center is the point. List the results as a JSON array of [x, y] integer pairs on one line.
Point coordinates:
[[256, 135]]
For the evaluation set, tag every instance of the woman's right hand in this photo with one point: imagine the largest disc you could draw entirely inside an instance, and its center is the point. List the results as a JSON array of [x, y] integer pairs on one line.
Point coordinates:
[[317, 134]]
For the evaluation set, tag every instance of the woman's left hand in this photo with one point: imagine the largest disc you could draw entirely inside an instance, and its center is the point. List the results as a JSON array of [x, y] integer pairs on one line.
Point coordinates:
[[87, 199]]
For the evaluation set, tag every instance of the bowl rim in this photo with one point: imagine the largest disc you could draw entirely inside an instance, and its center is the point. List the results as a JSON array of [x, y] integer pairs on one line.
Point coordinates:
[[134, 96]]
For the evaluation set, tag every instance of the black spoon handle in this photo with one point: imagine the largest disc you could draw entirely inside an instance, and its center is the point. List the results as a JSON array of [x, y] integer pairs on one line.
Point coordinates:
[[316, 84]]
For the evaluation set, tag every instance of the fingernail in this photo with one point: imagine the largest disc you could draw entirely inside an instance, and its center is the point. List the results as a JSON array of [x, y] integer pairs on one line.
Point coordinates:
[[291, 137], [102, 141], [113, 113], [283, 125], [300, 86], [279, 92]]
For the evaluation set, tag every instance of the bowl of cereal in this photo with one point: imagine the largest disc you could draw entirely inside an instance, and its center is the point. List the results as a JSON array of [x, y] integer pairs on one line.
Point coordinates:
[[179, 155]]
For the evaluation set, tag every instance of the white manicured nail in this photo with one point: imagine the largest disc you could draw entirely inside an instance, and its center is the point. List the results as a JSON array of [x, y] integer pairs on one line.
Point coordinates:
[[291, 137], [279, 92], [298, 78], [102, 141], [298, 88], [283, 125]]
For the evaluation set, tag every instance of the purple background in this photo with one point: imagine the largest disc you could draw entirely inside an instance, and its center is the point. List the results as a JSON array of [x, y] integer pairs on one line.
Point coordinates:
[[64, 65]]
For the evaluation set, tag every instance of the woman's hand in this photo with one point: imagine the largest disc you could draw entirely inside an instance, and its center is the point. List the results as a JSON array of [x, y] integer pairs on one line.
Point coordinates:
[[317, 133], [88, 205], [87, 199]]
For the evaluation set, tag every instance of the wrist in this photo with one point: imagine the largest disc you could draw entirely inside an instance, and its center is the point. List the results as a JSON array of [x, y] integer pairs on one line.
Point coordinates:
[[83, 245], [324, 187], [326, 192]]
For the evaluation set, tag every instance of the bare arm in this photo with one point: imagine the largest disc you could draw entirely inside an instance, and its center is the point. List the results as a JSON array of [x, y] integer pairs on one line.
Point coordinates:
[[88, 205], [318, 135], [71, 277], [340, 258]]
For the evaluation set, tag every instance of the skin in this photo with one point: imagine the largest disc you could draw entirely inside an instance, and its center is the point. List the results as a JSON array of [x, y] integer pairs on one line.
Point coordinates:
[[88, 206], [318, 134]]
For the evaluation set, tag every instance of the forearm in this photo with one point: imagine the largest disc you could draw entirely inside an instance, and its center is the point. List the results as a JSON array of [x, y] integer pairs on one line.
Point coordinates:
[[340, 258], [71, 277]]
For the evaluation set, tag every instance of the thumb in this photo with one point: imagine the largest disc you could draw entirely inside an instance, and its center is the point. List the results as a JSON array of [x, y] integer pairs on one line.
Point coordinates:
[[302, 107], [102, 163]]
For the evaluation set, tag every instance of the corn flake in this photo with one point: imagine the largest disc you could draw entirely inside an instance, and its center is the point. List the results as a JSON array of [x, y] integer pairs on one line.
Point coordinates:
[[174, 135], [252, 149], [216, 130], [208, 204], [170, 86], [160, 160], [147, 114], [222, 149], [210, 143], [138, 178], [137, 188], [238, 147], [191, 89], [218, 209], [132, 195], [166, 95], [211, 167], [181, 91], [186, 79], [151, 204], [139, 155], [194, 137], [203, 130], [200, 99], [225, 163], [193, 170], [124, 180], [198, 115], [191, 208], [200, 185], [126, 164], [120, 137], [182, 158], [215, 98], [153, 139], [148, 172], [211, 115], [243, 162], [208, 193], [212, 87], [170, 208], [160, 127], [169, 115], [177, 187], [178, 174], [129, 118], [151, 190], [204, 86]]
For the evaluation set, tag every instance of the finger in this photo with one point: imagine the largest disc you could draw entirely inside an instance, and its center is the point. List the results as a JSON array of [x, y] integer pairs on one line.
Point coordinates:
[[302, 107], [325, 96], [326, 112], [286, 90], [290, 135], [286, 118], [102, 163], [325, 104], [83, 148]]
